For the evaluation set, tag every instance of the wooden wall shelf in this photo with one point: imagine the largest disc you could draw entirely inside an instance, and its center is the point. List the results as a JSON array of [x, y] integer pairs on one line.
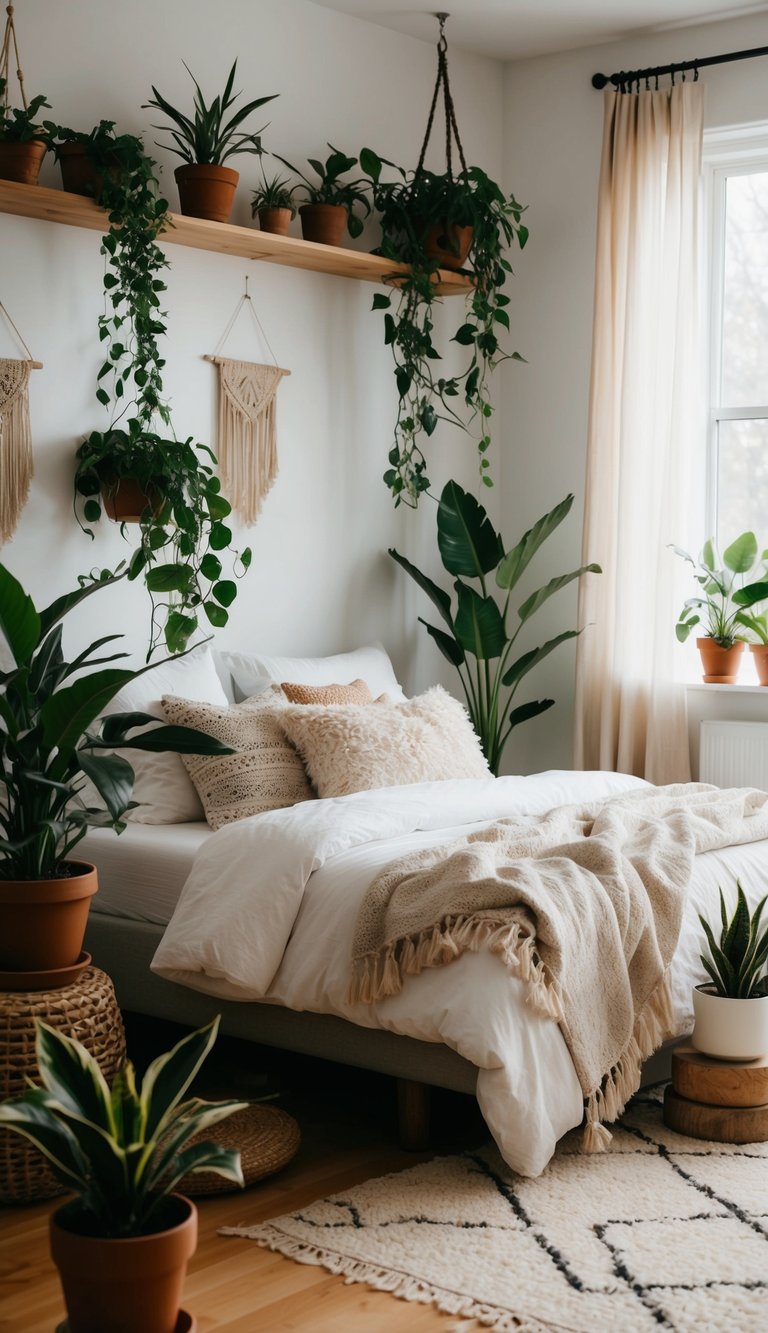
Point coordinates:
[[74, 210]]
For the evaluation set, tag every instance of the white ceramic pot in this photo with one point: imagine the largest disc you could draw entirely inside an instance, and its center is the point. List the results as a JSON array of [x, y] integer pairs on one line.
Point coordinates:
[[730, 1029]]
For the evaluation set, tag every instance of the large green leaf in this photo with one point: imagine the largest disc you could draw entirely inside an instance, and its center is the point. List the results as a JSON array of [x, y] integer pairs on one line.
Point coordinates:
[[66, 715], [34, 1121], [751, 593], [740, 556], [189, 1119], [479, 623], [169, 1076], [180, 740], [518, 559], [113, 779], [207, 1157], [525, 712], [436, 595], [514, 674], [467, 540], [448, 645], [537, 599], [735, 942], [72, 1076], [19, 621]]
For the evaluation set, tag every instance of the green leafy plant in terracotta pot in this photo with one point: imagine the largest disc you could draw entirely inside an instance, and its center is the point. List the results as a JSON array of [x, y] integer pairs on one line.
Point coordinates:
[[123, 1243], [273, 204], [481, 632], [23, 142], [723, 599], [731, 1009], [755, 621], [331, 201], [431, 221], [205, 141], [53, 738]]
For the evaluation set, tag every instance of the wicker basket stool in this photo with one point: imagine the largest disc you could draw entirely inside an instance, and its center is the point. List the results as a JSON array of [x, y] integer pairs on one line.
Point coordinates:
[[267, 1139], [86, 1010]]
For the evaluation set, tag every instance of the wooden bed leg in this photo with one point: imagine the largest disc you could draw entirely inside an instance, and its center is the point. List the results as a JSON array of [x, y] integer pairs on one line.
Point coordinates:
[[413, 1115]]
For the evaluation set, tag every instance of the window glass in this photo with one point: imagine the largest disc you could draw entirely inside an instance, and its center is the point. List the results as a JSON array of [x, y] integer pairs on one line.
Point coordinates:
[[745, 292]]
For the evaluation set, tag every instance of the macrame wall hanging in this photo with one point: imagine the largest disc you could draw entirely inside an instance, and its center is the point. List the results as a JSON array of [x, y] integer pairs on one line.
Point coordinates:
[[15, 435], [247, 433]]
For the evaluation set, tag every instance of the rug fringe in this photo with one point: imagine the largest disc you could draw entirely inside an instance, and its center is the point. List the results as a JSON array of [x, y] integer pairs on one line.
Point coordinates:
[[402, 1285]]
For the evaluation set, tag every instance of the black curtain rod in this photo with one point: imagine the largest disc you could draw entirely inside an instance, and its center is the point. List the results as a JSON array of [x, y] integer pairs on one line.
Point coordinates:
[[627, 77]]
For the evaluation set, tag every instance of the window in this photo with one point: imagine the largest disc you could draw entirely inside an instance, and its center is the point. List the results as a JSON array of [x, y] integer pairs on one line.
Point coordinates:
[[737, 471]]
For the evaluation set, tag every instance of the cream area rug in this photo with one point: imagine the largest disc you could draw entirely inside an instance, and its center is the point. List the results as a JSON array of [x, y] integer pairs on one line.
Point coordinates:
[[661, 1232]]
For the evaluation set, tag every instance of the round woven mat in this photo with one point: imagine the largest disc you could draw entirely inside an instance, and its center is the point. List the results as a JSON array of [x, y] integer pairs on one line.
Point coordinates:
[[267, 1138], [87, 1010]]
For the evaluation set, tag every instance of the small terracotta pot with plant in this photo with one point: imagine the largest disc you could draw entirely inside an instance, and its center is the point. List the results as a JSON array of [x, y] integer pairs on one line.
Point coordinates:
[[23, 143], [331, 203], [272, 203], [205, 141], [123, 1243], [724, 599]]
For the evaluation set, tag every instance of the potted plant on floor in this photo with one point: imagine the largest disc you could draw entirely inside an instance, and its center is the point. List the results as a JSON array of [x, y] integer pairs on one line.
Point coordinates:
[[722, 584], [331, 202], [23, 143], [123, 1243], [205, 142], [272, 202], [731, 1010], [478, 633], [51, 739]]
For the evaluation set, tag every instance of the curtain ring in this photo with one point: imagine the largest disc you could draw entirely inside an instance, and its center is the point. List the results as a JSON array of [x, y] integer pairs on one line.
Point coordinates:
[[695, 74], [672, 72]]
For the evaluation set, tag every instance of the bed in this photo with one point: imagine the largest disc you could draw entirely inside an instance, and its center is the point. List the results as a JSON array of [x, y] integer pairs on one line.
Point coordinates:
[[281, 890]]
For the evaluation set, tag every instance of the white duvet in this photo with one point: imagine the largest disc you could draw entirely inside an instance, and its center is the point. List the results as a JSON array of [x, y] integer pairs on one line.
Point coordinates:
[[269, 908]]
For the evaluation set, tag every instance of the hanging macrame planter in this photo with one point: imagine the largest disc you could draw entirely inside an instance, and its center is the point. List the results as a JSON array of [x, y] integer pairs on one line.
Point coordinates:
[[16, 466], [448, 243], [247, 432]]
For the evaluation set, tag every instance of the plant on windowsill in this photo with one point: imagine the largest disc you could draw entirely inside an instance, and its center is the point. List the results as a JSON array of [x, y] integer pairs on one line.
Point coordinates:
[[272, 202], [755, 621], [479, 641], [723, 600], [205, 142], [731, 1009], [51, 740], [23, 142], [122, 1244], [331, 202]]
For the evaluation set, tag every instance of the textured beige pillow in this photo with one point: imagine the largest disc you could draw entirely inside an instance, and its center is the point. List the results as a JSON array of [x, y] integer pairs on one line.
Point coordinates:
[[356, 692], [265, 774], [385, 744]]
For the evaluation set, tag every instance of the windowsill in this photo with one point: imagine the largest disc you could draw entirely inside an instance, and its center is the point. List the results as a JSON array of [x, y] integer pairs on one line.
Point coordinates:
[[729, 689]]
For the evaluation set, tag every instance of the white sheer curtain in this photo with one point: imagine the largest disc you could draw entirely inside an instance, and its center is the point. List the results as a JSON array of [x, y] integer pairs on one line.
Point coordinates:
[[645, 404]]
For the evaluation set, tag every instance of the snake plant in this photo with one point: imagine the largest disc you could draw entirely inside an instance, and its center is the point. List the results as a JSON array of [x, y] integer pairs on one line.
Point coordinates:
[[123, 1148], [736, 965]]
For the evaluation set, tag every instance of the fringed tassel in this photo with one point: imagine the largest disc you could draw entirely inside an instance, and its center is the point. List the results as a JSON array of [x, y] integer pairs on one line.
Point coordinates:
[[16, 467]]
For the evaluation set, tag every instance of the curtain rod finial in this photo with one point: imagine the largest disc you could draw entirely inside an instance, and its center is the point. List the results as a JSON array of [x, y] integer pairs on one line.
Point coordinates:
[[600, 80]]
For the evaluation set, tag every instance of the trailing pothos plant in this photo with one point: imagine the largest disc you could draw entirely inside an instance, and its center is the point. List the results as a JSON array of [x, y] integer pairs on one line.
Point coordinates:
[[416, 209], [480, 637]]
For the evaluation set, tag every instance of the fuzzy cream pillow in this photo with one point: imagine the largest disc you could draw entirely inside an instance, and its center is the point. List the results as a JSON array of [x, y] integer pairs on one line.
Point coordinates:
[[265, 774], [385, 744], [356, 692]]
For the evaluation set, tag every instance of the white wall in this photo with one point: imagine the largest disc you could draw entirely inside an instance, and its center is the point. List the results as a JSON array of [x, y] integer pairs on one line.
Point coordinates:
[[552, 141], [321, 580]]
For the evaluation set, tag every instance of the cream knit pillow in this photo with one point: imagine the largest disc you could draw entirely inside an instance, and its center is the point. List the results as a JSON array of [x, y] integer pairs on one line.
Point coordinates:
[[265, 774], [385, 744]]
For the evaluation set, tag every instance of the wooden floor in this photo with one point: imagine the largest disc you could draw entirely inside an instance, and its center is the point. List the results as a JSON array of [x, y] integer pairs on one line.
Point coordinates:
[[349, 1134]]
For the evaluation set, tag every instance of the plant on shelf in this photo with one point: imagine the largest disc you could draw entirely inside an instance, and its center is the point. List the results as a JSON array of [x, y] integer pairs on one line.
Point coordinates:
[[204, 142], [736, 964], [23, 142], [478, 630], [123, 1243], [331, 201], [273, 203], [723, 599], [181, 514], [53, 738]]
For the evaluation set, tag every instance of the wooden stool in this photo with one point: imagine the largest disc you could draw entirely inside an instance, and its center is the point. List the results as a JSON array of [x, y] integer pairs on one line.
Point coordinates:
[[86, 1010], [722, 1100]]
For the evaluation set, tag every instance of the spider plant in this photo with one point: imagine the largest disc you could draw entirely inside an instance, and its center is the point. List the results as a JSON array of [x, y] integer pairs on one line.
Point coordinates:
[[208, 137]]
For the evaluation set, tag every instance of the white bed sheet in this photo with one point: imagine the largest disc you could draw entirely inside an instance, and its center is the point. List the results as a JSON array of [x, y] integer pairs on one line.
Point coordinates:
[[142, 872]]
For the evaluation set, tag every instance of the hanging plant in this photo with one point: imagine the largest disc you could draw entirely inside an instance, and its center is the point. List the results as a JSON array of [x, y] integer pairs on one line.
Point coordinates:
[[431, 221], [182, 512]]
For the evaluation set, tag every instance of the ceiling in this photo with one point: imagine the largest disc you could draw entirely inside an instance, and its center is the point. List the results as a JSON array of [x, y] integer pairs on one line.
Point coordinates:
[[516, 29]]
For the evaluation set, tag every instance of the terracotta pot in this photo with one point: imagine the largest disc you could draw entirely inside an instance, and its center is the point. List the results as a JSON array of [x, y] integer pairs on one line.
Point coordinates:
[[126, 502], [325, 223], [42, 921], [124, 1286], [721, 665], [730, 1029], [448, 244], [22, 161], [275, 220], [760, 654], [78, 174], [206, 191]]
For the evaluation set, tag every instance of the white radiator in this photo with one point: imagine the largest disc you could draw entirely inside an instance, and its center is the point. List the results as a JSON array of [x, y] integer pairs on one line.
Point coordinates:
[[734, 754]]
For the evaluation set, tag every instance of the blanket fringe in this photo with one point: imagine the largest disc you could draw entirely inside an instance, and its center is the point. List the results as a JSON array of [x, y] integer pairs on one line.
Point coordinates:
[[403, 1285], [377, 975]]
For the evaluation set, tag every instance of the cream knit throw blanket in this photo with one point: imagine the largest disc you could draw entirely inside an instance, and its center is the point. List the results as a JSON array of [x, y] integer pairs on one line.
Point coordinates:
[[584, 904]]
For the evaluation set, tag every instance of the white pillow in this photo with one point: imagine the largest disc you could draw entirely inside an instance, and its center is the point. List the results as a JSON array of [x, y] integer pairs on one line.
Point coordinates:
[[358, 747], [251, 673], [162, 787]]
